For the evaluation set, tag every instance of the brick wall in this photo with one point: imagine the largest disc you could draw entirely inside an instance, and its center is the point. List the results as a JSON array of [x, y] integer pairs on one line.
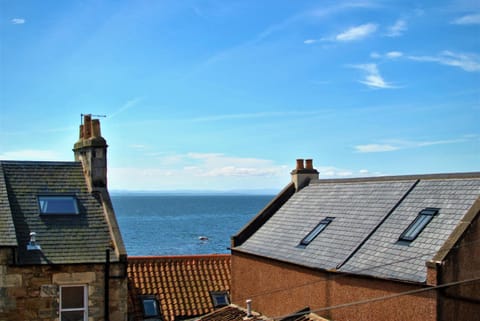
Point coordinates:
[[32, 292], [462, 302], [277, 289]]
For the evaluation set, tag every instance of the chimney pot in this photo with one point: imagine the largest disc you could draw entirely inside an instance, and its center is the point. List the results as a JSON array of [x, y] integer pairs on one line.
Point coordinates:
[[309, 163], [96, 128], [87, 126], [300, 164]]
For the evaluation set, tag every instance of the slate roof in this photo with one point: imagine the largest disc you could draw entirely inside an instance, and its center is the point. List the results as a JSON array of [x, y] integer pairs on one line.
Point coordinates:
[[181, 284], [370, 215], [64, 239]]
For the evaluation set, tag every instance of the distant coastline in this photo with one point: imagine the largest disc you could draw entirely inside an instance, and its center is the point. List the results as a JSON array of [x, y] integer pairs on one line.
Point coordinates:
[[264, 192]]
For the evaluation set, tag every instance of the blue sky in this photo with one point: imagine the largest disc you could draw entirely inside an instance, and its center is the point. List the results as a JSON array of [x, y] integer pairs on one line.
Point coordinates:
[[221, 95]]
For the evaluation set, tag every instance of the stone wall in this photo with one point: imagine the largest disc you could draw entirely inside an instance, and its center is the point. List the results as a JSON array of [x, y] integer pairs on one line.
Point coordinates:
[[30, 293]]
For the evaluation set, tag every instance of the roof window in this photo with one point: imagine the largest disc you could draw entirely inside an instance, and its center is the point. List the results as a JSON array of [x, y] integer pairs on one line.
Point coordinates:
[[220, 299], [58, 204], [151, 308], [317, 230], [422, 219]]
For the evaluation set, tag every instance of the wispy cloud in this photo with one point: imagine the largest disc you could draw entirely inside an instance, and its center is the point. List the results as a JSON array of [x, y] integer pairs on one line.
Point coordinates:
[[200, 171], [127, 105], [388, 55], [394, 145], [358, 32], [372, 79], [334, 172], [397, 29], [31, 154], [252, 115], [375, 148], [467, 62], [18, 21], [469, 19]]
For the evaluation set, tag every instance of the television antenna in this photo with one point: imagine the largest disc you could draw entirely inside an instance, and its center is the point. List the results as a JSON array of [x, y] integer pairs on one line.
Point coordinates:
[[81, 117]]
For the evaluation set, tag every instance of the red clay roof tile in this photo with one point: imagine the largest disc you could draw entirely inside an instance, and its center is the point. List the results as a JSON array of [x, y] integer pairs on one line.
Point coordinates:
[[181, 284]]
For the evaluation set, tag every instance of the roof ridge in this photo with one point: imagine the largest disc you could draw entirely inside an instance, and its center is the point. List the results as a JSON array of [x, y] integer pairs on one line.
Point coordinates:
[[29, 162], [454, 175], [179, 257]]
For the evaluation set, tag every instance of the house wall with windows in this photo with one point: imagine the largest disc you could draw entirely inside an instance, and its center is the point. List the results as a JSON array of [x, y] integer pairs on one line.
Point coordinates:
[[33, 292], [277, 288]]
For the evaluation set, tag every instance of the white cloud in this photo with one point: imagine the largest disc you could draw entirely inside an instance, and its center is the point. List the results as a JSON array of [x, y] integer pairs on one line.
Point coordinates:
[[470, 19], [372, 78], [356, 33], [405, 144], [397, 28], [388, 55], [31, 155], [310, 41], [375, 148], [209, 171], [18, 21], [394, 54], [467, 62]]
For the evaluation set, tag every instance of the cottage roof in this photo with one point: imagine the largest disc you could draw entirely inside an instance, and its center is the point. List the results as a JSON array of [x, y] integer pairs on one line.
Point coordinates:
[[181, 284], [79, 238], [369, 216]]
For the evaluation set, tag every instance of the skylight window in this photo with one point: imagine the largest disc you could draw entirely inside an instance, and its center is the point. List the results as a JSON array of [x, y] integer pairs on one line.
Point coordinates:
[[317, 230], [414, 229], [151, 308], [58, 204], [220, 299]]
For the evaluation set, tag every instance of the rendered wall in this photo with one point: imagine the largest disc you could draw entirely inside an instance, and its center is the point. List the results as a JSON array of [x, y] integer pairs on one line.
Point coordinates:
[[278, 289]]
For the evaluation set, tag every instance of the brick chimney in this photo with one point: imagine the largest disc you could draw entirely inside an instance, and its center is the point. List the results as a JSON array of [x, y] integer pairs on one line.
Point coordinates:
[[303, 173], [91, 151]]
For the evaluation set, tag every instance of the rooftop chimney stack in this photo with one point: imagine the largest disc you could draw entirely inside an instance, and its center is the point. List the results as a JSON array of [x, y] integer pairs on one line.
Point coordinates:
[[91, 151], [303, 173]]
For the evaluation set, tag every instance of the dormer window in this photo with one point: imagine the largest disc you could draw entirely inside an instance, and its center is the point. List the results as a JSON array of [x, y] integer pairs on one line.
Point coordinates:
[[317, 230], [57, 204], [417, 226]]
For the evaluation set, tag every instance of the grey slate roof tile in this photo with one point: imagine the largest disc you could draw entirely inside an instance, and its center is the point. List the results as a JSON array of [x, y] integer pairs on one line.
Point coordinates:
[[81, 238], [443, 194], [7, 229], [365, 211]]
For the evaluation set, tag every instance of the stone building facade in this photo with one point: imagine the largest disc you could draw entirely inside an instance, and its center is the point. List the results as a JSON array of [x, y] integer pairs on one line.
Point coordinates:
[[62, 256]]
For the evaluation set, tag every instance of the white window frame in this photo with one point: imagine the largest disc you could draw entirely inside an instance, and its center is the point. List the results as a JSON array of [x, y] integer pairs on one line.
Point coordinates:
[[85, 301]]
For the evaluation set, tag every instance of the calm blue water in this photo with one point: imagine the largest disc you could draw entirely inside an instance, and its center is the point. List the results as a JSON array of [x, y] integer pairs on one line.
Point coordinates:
[[172, 225]]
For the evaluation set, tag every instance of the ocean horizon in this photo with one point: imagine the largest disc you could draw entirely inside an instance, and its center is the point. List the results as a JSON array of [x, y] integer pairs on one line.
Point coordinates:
[[183, 223]]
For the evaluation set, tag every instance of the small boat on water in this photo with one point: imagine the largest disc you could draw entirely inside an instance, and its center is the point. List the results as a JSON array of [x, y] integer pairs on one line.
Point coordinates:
[[203, 238]]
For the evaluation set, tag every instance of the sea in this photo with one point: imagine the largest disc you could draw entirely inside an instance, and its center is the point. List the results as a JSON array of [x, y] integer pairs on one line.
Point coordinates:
[[183, 224]]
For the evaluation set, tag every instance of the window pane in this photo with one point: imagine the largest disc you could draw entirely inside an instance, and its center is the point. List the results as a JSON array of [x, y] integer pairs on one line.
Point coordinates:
[[58, 204], [417, 227], [150, 307], [314, 233], [72, 316], [72, 297]]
